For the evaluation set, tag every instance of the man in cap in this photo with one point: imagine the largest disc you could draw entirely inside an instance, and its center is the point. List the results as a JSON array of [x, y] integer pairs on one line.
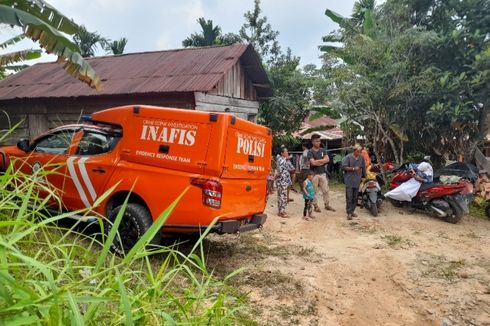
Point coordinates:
[[354, 169]]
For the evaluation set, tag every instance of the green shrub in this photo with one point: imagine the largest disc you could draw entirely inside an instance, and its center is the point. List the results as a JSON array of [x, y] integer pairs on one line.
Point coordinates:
[[50, 275]]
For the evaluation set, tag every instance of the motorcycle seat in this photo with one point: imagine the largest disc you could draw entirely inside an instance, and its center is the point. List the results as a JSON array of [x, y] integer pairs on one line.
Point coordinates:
[[428, 185]]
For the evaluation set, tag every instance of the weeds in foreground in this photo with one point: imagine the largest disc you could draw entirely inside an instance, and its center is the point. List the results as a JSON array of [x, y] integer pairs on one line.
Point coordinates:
[[59, 276]]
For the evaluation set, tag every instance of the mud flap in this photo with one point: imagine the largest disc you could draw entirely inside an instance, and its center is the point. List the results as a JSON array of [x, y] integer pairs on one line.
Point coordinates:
[[373, 198]]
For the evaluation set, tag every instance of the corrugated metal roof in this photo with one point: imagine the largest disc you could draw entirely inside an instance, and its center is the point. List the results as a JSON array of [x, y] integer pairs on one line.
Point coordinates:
[[182, 70], [320, 122], [330, 134]]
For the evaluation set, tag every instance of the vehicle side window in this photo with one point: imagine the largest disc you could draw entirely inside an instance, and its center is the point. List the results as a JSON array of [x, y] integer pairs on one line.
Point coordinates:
[[95, 143], [57, 143]]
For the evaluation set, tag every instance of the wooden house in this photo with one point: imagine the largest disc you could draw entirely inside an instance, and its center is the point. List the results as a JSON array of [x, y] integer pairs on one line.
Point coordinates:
[[218, 78]]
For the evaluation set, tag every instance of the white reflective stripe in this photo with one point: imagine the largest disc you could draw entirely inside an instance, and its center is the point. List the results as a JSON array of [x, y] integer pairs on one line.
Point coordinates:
[[86, 178], [74, 177]]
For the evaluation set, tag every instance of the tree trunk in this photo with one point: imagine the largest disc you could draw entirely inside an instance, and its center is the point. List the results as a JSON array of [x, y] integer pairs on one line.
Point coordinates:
[[389, 139], [484, 123], [484, 129]]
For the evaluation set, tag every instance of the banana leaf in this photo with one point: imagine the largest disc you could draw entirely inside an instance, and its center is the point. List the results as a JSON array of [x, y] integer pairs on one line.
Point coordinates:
[[44, 12], [52, 41]]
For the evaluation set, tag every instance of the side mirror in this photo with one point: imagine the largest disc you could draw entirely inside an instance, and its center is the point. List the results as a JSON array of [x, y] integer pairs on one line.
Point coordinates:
[[23, 145]]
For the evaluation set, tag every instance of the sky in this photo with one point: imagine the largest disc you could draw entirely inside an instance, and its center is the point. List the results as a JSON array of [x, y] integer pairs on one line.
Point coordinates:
[[151, 25]]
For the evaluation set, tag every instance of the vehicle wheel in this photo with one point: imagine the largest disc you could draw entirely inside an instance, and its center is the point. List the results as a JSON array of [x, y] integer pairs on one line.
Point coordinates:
[[396, 203], [373, 209], [456, 214], [135, 222], [487, 210]]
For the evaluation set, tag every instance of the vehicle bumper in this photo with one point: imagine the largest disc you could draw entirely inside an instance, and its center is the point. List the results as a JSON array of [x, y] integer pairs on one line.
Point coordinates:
[[222, 227], [244, 225]]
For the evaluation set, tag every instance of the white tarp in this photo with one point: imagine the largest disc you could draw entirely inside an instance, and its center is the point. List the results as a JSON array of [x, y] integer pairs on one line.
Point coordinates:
[[406, 191]]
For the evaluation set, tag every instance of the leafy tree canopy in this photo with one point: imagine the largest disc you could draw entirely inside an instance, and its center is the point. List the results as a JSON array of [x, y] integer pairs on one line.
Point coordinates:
[[414, 74], [258, 32]]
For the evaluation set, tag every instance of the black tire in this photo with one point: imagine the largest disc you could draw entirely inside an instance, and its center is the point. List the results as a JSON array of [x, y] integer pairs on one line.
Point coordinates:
[[134, 223], [396, 203], [373, 208], [456, 215], [487, 210]]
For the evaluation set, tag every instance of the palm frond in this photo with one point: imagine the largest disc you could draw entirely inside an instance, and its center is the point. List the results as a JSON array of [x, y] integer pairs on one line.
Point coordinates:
[[337, 18], [117, 46], [332, 37]]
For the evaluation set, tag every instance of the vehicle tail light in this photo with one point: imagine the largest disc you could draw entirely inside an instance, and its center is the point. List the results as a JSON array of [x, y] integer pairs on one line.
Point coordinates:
[[212, 191]]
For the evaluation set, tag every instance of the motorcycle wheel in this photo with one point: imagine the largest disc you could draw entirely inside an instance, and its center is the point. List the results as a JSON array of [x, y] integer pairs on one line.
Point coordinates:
[[373, 209], [487, 210], [456, 216]]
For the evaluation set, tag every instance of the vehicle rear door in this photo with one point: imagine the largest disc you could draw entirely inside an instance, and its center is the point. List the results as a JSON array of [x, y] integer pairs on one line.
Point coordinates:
[[248, 148]]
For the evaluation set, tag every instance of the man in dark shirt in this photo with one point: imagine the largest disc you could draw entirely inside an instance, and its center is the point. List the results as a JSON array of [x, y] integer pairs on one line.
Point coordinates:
[[318, 158], [354, 169]]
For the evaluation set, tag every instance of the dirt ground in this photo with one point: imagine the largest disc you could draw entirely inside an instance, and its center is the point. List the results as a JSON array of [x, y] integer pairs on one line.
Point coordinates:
[[400, 268]]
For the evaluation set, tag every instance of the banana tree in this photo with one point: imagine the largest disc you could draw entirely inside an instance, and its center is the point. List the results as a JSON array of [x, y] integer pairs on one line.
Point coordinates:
[[43, 23], [8, 59]]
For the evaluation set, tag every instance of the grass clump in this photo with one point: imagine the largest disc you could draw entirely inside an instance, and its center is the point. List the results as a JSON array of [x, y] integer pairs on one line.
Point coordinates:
[[478, 210], [54, 275], [395, 241], [438, 266]]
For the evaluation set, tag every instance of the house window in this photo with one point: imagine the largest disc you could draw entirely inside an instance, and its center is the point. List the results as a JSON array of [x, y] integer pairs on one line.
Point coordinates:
[[252, 117]]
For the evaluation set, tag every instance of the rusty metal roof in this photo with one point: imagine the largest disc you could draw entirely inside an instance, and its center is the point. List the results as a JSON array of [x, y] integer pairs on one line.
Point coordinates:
[[181, 70]]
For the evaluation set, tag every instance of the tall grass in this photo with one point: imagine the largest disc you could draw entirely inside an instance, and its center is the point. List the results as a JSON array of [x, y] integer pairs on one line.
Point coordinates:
[[53, 275]]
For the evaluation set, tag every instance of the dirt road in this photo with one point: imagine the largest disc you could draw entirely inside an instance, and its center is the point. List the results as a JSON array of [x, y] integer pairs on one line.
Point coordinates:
[[396, 269]]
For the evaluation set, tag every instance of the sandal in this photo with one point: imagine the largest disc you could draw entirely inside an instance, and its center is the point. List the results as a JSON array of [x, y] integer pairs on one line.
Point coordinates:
[[306, 218], [283, 215]]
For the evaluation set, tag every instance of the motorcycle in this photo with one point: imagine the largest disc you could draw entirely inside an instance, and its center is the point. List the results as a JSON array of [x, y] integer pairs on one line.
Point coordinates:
[[447, 201], [370, 191]]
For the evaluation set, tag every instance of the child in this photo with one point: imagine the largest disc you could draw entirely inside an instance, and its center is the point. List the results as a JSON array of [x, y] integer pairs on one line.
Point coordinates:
[[308, 195], [270, 182]]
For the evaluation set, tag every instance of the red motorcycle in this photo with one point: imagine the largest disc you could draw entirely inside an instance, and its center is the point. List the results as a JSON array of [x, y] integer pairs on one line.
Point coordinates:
[[447, 201]]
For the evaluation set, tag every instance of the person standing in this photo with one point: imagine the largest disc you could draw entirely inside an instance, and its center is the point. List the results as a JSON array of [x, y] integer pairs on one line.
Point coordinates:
[[318, 158], [304, 165], [283, 179], [308, 195], [354, 169], [365, 156]]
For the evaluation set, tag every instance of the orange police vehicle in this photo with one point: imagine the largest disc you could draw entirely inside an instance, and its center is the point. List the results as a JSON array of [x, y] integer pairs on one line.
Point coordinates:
[[153, 154]]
